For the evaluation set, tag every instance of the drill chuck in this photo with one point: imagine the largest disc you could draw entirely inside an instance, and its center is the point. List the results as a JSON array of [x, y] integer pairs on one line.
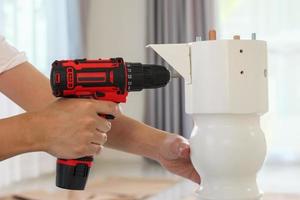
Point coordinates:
[[141, 76]]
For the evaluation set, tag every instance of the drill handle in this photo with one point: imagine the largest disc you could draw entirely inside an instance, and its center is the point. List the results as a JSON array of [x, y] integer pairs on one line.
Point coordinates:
[[72, 174], [107, 116]]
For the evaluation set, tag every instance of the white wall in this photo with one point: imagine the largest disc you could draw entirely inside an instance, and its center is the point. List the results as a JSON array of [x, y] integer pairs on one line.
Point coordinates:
[[118, 29]]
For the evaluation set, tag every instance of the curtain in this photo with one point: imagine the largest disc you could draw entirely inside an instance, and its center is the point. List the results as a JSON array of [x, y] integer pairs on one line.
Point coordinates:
[[46, 30], [174, 22]]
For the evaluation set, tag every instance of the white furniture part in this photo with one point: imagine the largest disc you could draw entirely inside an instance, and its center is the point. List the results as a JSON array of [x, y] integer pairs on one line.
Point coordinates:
[[226, 92]]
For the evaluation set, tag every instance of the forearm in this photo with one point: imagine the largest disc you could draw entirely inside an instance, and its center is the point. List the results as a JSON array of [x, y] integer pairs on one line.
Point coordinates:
[[17, 136], [135, 137], [27, 87], [31, 90]]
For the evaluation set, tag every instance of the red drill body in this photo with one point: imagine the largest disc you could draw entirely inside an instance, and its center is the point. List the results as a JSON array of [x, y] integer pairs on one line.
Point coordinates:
[[108, 79], [91, 79]]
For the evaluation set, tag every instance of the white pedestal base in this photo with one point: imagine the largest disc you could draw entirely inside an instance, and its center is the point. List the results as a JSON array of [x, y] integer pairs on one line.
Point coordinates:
[[227, 151]]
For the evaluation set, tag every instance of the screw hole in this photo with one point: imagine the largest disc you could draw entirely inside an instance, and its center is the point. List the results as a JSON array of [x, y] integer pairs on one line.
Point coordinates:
[[241, 51], [242, 72]]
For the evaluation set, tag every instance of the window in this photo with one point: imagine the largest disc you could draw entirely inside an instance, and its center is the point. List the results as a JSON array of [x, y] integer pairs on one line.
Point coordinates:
[[40, 28], [277, 22], [24, 25]]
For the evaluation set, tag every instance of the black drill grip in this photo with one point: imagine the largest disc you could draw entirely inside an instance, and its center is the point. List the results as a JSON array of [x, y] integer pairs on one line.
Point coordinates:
[[72, 174]]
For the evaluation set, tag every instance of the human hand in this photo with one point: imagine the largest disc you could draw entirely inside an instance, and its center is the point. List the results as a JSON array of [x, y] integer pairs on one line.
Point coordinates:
[[71, 128], [175, 156]]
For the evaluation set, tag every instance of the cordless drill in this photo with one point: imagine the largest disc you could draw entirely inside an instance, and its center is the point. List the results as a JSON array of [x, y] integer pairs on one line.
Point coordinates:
[[103, 79]]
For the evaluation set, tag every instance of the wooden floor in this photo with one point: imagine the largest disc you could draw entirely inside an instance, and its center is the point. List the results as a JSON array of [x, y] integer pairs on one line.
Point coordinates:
[[155, 184], [118, 188], [270, 197], [281, 197]]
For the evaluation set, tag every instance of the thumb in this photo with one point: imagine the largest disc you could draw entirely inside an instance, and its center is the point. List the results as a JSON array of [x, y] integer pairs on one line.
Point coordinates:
[[176, 147], [184, 150]]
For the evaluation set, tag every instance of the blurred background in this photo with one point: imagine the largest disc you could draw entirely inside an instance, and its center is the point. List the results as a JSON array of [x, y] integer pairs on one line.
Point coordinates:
[[59, 29]]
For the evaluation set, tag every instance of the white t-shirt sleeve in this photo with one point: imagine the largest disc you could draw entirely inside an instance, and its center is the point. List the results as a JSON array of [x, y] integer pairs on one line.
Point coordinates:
[[10, 57]]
